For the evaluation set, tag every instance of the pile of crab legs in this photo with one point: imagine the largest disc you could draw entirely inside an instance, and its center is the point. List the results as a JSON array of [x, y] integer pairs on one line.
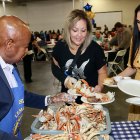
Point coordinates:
[[82, 88], [80, 122]]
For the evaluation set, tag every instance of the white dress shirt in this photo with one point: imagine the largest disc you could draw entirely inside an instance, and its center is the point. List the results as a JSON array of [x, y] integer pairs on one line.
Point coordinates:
[[7, 69]]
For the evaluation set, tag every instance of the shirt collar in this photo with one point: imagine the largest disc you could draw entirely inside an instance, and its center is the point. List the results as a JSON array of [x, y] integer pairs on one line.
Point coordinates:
[[6, 65]]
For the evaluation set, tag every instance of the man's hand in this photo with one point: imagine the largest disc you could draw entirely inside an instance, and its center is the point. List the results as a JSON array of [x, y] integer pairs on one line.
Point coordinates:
[[69, 82], [63, 97]]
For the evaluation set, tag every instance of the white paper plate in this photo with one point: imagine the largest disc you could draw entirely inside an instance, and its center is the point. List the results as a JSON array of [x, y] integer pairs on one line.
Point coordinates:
[[130, 87], [84, 99], [110, 85], [134, 100]]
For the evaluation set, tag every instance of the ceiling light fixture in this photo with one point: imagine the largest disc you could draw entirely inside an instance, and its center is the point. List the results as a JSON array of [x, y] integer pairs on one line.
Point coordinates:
[[3, 4], [6, 0]]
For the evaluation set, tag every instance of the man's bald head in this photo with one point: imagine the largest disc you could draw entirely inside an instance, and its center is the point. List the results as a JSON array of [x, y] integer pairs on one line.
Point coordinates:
[[14, 33], [11, 25]]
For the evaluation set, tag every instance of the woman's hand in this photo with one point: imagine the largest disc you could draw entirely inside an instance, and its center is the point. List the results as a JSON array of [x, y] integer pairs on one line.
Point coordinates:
[[98, 88], [70, 82], [102, 74]]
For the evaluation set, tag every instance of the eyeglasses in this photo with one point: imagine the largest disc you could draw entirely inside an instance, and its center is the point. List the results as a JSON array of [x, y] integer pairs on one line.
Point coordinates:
[[138, 21]]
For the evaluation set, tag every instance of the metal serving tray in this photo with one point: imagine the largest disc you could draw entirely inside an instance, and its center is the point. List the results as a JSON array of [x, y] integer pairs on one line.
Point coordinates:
[[100, 138]]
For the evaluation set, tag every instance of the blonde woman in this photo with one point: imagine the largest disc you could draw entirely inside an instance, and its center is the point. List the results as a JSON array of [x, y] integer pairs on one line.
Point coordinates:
[[90, 65]]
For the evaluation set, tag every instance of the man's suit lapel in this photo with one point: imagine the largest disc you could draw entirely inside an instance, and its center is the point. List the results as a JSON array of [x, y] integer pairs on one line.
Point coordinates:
[[2, 75]]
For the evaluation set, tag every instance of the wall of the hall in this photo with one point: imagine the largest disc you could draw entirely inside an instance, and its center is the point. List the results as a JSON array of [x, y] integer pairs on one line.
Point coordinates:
[[45, 15], [41, 15], [126, 6]]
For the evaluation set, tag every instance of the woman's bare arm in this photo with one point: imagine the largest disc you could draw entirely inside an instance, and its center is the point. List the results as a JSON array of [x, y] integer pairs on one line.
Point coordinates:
[[127, 72], [102, 74]]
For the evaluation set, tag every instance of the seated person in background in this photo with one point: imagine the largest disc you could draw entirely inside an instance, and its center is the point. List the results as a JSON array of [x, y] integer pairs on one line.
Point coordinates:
[[106, 44], [60, 37], [37, 36], [40, 39], [98, 38], [122, 40], [42, 43], [42, 35], [41, 54], [109, 35], [105, 28], [105, 32], [47, 38], [58, 34], [54, 35]]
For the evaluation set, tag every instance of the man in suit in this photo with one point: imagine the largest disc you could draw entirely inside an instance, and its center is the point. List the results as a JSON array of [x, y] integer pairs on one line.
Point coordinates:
[[14, 39]]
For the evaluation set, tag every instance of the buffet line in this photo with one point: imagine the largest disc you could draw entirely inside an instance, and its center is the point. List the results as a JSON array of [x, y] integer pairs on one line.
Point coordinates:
[[87, 121]]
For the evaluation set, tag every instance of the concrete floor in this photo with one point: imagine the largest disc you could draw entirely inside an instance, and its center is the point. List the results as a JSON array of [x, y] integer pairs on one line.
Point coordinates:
[[43, 83]]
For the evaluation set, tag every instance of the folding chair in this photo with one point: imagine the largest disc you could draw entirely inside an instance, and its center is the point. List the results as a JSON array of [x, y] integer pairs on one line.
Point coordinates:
[[50, 50], [117, 62], [42, 55]]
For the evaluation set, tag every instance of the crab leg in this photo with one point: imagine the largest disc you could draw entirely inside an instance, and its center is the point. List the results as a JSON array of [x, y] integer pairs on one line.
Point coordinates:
[[92, 135]]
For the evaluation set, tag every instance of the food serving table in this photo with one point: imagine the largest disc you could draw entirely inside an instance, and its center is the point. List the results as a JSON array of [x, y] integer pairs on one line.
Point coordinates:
[[125, 130]]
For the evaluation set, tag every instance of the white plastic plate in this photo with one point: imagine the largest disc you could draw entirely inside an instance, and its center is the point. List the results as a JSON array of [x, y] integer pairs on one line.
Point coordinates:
[[130, 87], [110, 85], [134, 100], [84, 99]]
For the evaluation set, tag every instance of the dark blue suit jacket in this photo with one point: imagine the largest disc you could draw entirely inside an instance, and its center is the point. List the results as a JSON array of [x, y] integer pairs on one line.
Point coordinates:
[[6, 100]]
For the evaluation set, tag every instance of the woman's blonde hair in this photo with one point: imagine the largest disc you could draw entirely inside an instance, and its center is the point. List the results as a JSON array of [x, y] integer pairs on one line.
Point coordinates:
[[72, 19]]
